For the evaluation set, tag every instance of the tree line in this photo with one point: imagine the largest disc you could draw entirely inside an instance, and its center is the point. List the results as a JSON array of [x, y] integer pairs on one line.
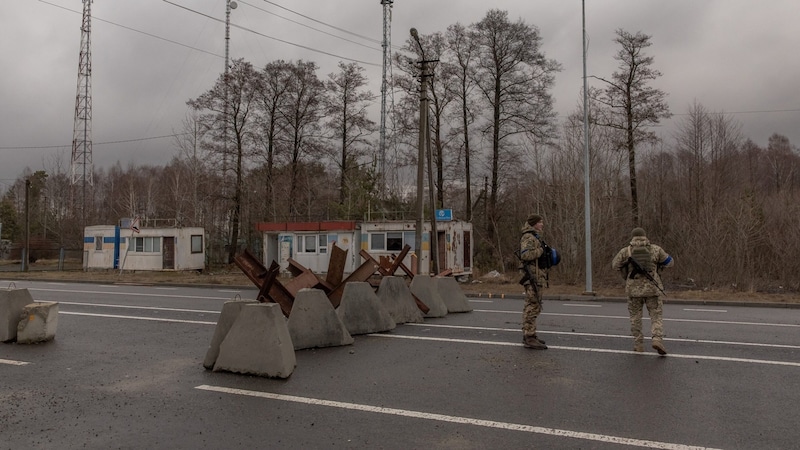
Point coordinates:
[[279, 143]]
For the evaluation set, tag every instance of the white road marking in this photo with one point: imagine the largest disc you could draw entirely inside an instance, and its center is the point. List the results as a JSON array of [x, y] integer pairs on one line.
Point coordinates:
[[454, 419], [154, 308], [706, 310], [228, 291], [11, 362], [167, 288], [622, 336], [108, 286], [131, 294], [597, 316], [595, 350], [581, 305], [56, 284], [154, 319]]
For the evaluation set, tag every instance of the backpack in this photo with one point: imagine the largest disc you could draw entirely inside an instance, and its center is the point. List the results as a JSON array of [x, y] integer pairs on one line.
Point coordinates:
[[641, 254]]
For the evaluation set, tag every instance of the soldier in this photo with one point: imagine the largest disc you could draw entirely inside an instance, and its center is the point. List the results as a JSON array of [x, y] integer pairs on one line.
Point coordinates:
[[640, 263], [531, 249]]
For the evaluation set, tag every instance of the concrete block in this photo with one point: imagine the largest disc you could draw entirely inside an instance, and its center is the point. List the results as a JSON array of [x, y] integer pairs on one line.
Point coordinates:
[[38, 323], [12, 302], [422, 287], [230, 311], [396, 297], [258, 343], [361, 311], [451, 293], [313, 322]]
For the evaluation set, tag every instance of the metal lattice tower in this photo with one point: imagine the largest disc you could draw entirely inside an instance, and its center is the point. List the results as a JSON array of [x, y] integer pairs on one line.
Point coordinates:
[[387, 62], [81, 167]]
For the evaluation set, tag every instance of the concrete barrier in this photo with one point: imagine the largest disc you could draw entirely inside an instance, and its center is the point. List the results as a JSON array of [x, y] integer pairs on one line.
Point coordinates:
[[396, 297], [451, 293], [230, 312], [422, 286], [258, 343], [12, 302], [38, 323], [361, 311], [313, 322]]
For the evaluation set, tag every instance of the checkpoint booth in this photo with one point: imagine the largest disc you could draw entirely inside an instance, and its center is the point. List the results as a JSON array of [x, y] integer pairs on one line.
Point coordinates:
[[143, 248], [309, 243]]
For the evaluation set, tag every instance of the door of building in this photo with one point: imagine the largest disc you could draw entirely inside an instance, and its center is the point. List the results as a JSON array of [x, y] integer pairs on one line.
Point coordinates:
[[169, 253]]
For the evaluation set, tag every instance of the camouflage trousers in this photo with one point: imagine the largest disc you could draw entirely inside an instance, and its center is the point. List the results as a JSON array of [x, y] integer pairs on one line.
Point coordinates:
[[533, 307], [655, 309]]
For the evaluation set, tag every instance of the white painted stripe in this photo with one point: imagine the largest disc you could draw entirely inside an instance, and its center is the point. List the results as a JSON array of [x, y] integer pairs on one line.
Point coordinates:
[[154, 308], [480, 301], [581, 305], [57, 284], [108, 286], [594, 350], [131, 294], [622, 336], [592, 316], [166, 288], [229, 291], [154, 319], [454, 419], [11, 362], [706, 310]]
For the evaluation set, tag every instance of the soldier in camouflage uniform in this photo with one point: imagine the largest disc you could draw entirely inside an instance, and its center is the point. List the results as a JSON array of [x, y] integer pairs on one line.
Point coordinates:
[[530, 250], [640, 289]]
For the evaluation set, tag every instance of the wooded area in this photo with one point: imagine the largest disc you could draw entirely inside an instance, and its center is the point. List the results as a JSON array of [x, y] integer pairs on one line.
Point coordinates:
[[279, 143]]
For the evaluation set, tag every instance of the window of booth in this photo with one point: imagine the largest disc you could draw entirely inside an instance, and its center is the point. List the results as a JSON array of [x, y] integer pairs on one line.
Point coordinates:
[[151, 244], [392, 241], [197, 243], [312, 243], [98, 242]]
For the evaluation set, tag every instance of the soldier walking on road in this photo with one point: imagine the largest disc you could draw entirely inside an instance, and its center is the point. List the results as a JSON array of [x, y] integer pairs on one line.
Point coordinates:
[[640, 263]]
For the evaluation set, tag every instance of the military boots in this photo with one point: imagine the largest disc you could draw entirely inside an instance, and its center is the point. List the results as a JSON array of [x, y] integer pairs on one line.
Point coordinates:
[[533, 342]]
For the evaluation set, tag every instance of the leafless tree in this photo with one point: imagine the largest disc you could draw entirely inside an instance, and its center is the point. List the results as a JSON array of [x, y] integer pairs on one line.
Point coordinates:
[[632, 105]]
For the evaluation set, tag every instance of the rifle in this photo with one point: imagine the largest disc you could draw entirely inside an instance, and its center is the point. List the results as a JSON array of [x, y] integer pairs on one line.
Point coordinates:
[[528, 276], [637, 268]]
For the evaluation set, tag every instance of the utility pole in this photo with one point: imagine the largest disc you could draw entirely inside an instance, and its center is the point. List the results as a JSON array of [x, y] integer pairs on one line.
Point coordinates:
[[423, 135]]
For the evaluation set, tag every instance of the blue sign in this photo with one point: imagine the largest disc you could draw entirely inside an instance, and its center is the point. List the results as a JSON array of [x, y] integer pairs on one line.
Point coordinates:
[[444, 215]]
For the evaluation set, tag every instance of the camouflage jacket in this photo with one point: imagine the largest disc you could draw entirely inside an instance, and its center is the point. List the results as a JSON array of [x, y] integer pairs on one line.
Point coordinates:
[[530, 249], [639, 285]]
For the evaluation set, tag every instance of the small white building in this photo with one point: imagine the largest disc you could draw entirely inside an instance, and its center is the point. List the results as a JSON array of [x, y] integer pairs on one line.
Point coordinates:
[[167, 248], [308, 243]]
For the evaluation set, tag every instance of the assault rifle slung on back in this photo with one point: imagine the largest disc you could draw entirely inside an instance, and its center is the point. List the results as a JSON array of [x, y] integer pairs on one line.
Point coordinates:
[[637, 269]]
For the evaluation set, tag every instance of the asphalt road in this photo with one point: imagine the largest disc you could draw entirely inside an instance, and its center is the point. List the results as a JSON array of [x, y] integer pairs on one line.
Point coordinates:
[[125, 371]]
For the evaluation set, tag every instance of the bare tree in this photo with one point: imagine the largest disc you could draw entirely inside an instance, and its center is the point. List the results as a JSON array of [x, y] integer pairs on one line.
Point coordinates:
[[346, 111], [514, 78], [227, 109], [302, 114], [632, 106], [459, 70]]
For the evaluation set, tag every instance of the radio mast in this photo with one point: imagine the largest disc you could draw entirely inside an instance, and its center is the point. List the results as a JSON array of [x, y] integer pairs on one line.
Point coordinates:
[[81, 167]]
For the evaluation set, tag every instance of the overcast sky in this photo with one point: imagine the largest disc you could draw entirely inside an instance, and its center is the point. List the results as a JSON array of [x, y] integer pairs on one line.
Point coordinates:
[[150, 56]]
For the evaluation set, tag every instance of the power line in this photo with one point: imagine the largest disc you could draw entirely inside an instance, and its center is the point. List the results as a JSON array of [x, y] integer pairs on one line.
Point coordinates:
[[135, 30], [273, 38], [309, 26], [323, 23], [45, 147]]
